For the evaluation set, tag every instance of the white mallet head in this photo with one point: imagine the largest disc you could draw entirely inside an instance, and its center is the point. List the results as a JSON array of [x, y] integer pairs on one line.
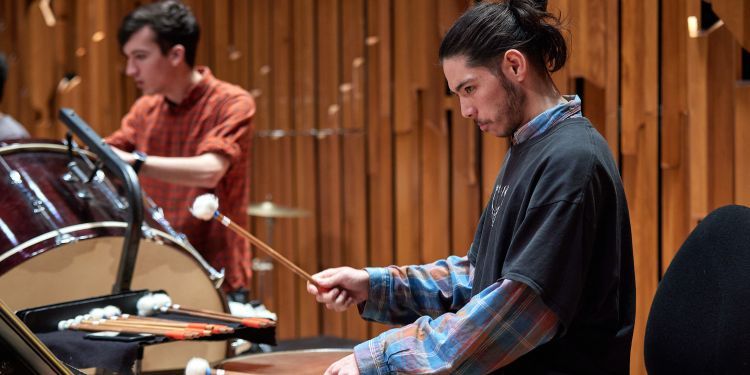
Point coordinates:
[[197, 366], [110, 311], [145, 305], [161, 300], [205, 206]]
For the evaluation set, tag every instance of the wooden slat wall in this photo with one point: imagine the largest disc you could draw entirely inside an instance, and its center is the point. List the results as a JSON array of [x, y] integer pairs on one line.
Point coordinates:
[[639, 152], [397, 175]]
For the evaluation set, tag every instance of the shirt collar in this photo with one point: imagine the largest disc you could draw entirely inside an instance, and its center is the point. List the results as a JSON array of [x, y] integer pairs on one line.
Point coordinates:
[[547, 119], [197, 91]]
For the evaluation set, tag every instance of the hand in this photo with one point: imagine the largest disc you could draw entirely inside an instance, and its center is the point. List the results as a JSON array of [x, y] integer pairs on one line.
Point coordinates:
[[340, 287], [127, 157], [344, 366]]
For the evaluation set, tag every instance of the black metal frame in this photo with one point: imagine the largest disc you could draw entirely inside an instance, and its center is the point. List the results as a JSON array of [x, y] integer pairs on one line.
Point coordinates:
[[132, 194]]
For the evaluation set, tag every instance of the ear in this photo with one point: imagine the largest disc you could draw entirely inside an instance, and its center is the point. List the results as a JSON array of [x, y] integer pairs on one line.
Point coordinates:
[[176, 54], [515, 66]]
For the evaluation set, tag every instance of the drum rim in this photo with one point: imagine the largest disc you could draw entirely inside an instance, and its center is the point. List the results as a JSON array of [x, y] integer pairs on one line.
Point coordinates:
[[296, 351], [41, 146], [102, 224]]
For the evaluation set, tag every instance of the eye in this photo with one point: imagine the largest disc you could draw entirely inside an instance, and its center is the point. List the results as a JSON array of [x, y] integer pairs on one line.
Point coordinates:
[[469, 89]]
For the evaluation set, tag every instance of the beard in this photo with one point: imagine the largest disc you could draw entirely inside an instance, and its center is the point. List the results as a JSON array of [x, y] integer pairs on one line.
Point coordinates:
[[511, 112]]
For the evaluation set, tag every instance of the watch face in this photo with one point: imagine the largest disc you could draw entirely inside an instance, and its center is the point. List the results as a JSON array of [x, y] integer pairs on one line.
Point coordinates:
[[139, 156]]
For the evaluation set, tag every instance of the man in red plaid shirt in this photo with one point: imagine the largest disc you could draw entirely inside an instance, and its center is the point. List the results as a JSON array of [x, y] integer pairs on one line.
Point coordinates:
[[189, 134]]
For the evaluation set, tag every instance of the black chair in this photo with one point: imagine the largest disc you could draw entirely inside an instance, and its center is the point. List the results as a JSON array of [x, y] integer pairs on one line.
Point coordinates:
[[699, 321]]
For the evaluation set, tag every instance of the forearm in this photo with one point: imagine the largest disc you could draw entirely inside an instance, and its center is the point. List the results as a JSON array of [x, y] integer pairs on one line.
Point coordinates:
[[205, 170], [200, 171], [504, 322], [402, 294]]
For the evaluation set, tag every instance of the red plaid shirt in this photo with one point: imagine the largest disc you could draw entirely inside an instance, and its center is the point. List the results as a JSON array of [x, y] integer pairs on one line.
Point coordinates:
[[215, 117]]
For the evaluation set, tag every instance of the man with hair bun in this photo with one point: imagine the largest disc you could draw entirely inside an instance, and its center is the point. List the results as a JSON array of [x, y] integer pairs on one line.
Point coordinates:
[[547, 286]]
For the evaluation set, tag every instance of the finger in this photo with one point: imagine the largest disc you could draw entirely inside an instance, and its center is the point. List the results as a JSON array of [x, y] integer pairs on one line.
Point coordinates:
[[330, 277], [329, 297], [342, 297], [311, 288], [349, 302]]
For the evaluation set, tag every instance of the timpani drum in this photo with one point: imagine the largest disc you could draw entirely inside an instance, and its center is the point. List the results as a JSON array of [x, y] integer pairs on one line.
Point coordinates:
[[61, 239], [298, 362]]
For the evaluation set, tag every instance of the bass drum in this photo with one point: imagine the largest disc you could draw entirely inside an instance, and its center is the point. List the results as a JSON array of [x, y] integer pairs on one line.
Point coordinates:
[[61, 239]]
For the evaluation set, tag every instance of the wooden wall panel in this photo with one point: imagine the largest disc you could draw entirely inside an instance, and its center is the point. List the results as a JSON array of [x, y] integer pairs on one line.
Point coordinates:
[[723, 58], [329, 117], [742, 143], [260, 170], [697, 90], [286, 282], [305, 162], [379, 112], [465, 174], [407, 133], [354, 163], [674, 155], [639, 93], [435, 150]]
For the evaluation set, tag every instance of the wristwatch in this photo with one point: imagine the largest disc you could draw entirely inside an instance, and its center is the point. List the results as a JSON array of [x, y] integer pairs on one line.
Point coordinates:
[[139, 157]]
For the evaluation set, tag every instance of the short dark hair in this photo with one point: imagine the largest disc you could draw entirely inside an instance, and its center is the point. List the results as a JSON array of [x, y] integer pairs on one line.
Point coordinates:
[[486, 31], [3, 74], [171, 20]]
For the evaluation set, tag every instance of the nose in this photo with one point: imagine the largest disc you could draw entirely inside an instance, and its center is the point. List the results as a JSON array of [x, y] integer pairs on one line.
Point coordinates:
[[467, 109], [130, 68]]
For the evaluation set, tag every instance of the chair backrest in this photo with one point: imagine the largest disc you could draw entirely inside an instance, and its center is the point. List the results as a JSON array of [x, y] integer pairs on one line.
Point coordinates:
[[699, 321]]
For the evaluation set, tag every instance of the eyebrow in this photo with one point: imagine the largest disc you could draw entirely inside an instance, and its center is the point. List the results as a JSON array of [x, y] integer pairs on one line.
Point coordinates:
[[462, 84]]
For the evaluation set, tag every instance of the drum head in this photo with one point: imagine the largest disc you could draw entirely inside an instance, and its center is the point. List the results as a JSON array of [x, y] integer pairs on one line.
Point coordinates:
[[298, 362]]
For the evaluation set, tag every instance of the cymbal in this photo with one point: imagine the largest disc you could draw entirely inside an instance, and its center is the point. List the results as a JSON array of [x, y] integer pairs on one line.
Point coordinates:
[[272, 210]]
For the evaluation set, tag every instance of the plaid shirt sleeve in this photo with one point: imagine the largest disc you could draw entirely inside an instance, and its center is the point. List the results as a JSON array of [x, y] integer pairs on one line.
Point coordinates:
[[235, 121], [503, 322], [400, 295]]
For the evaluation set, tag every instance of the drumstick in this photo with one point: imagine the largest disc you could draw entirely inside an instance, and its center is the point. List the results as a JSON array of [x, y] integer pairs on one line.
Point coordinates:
[[219, 314], [214, 328], [173, 334], [199, 366], [206, 207], [248, 322]]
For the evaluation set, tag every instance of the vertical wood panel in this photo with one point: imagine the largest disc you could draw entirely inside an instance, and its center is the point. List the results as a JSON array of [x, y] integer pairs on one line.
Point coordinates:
[[465, 175], [306, 183], [640, 156], [435, 150], [287, 283], [742, 143], [674, 165], [329, 117], [379, 136], [354, 163], [697, 89], [723, 58], [407, 134], [612, 85], [260, 167]]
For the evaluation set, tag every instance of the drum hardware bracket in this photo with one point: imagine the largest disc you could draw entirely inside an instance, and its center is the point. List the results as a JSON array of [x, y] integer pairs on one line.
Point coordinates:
[[15, 177], [64, 238]]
